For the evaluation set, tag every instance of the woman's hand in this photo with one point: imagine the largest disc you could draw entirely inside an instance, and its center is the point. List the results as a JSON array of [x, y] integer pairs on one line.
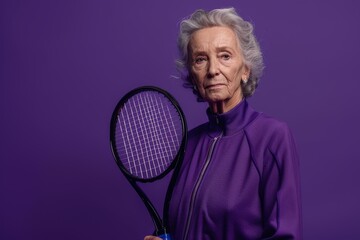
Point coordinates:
[[152, 238]]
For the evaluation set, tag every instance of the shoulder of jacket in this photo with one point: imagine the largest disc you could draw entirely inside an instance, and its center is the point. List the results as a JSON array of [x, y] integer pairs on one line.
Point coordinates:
[[266, 136], [268, 124], [266, 131]]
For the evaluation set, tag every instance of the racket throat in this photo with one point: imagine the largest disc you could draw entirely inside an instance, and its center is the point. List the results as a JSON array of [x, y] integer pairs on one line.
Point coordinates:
[[197, 185], [150, 207]]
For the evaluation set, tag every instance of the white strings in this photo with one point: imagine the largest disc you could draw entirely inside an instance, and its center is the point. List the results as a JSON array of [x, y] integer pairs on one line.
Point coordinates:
[[148, 134]]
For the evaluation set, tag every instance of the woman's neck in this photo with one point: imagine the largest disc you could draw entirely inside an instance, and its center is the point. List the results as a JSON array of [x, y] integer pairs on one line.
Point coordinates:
[[223, 106]]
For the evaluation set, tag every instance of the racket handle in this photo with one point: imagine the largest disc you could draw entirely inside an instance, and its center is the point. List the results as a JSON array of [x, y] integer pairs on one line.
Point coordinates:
[[165, 236]]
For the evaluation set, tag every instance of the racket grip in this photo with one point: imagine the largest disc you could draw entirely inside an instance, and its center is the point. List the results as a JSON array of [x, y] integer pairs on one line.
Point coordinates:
[[165, 236]]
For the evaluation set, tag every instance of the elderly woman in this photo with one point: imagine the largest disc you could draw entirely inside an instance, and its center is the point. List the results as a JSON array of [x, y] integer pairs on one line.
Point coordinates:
[[240, 174]]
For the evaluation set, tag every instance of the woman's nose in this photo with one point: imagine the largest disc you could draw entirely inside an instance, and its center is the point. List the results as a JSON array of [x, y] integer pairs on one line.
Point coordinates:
[[213, 68]]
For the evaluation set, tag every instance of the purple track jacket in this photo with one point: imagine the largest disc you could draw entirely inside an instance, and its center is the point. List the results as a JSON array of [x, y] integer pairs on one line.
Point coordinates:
[[239, 180]]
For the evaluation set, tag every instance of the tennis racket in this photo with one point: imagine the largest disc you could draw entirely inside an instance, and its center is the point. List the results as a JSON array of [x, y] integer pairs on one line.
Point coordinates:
[[148, 134]]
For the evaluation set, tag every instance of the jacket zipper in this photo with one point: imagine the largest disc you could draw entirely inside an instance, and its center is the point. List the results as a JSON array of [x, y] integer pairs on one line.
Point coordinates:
[[197, 185]]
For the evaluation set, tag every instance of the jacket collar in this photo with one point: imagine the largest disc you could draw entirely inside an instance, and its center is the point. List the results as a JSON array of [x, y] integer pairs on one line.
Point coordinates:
[[232, 121]]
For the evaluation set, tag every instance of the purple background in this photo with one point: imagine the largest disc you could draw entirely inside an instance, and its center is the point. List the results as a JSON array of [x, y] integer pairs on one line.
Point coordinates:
[[65, 64]]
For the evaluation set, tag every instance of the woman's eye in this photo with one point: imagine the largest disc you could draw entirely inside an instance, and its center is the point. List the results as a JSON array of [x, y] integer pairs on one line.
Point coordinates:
[[199, 60], [225, 56]]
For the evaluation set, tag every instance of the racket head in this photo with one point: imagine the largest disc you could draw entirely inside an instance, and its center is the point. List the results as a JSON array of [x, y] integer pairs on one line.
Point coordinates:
[[147, 133]]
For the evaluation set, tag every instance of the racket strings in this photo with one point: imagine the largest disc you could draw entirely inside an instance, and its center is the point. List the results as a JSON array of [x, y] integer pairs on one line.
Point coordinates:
[[147, 149], [149, 134]]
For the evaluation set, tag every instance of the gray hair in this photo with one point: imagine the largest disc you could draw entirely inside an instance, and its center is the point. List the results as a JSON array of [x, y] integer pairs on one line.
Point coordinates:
[[244, 31]]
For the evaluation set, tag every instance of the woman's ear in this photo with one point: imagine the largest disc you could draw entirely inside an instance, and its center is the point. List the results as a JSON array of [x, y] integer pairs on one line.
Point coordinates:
[[246, 73], [191, 81]]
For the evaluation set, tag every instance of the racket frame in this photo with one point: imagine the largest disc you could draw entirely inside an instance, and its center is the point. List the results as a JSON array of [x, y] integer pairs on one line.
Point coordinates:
[[160, 226]]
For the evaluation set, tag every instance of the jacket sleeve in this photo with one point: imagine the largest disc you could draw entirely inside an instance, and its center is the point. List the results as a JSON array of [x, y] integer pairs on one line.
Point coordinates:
[[280, 188]]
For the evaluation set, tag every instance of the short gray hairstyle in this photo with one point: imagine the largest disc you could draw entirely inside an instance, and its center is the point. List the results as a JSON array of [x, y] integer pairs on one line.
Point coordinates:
[[227, 17]]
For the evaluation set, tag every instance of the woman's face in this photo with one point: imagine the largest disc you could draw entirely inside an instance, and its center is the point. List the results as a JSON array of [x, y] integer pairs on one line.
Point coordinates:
[[217, 67]]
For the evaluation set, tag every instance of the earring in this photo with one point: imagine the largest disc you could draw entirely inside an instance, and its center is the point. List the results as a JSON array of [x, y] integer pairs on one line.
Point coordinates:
[[245, 80], [194, 87]]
